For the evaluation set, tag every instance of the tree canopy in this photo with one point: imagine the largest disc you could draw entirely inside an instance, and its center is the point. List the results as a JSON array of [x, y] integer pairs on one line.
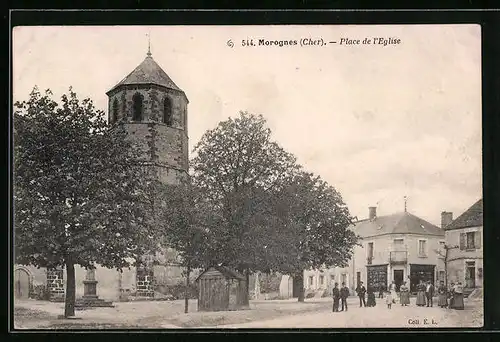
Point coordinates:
[[80, 195], [272, 214]]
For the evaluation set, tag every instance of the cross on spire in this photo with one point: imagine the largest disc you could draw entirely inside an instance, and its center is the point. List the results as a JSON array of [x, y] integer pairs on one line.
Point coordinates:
[[149, 44]]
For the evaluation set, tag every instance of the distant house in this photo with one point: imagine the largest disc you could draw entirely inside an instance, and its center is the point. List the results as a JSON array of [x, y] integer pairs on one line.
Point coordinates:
[[465, 261], [397, 247]]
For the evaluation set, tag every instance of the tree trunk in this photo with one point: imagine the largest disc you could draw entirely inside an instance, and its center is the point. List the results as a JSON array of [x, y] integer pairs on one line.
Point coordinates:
[[246, 294], [69, 302], [300, 282], [186, 295], [446, 268]]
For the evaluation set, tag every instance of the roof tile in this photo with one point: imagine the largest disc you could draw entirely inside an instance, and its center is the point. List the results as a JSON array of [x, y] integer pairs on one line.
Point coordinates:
[[399, 223], [148, 72], [472, 217]]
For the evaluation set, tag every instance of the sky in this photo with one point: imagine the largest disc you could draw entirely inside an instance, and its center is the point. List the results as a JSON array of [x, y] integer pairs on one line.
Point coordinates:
[[376, 122]]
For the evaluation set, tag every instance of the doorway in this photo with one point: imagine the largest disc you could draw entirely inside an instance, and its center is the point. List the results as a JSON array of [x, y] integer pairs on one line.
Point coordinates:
[[21, 284], [398, 278], [420, 273], [470, 274]]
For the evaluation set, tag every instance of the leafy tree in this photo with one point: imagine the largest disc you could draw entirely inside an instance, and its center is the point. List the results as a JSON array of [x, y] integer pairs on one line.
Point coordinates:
[[81, 196], [237, 166], [314, 228], [185, 215]]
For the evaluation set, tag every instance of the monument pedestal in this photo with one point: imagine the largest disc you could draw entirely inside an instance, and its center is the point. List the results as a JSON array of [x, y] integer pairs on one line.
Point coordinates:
[[90, 298], [90, 289]]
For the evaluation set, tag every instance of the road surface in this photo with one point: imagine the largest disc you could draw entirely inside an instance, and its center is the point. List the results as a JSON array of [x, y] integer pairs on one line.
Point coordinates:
[[373, 317]]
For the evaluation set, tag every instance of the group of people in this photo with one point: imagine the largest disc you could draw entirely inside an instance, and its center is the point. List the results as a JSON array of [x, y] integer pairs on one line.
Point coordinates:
[[340, 295], [451, 297]]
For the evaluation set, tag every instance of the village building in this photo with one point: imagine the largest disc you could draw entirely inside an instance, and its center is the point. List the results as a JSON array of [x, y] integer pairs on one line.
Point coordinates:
[[465, 257], [153, 110], [398, 247]]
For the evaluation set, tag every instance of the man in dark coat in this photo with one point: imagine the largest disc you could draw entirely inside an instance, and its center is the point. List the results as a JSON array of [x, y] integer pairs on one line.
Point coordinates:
[[361, 290], [344, 293], [429, 293], [336, 297]]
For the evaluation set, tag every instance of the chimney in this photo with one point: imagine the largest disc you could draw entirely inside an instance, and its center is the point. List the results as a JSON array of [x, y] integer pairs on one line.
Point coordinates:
[[446, 218], [372, 213]]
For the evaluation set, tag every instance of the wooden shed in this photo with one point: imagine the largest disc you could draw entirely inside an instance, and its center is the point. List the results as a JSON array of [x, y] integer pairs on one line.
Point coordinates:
[[220, 289]]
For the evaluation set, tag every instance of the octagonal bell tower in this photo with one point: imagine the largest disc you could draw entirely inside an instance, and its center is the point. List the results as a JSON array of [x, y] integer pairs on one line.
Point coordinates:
[[153, 110]]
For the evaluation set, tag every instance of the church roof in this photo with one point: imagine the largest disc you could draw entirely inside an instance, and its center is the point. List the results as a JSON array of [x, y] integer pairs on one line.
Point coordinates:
[[148, 72], [399, 223], [472, 217]]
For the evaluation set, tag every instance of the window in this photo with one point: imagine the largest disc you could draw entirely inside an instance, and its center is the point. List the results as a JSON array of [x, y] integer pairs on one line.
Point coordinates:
[[422, 248], [344, 278], [185, 118], [321, 280], [137, 107], [370, 250], [167, 111], [332, 279], [114, 116], [441, 275], [398, 242], [311, 280], [470, 240]]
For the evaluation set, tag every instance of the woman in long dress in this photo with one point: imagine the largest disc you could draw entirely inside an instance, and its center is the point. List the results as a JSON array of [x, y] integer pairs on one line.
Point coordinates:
[[451, 291], [458, 297], [404, 294], [421, 294], [442, 295], [371, 297]]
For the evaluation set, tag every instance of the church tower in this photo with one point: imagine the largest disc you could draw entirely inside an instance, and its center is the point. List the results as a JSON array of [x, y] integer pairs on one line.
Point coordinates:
[[153, 110]]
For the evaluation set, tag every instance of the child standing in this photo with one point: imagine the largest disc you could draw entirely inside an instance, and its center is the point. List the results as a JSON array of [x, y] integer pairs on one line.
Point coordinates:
[[389, 299]]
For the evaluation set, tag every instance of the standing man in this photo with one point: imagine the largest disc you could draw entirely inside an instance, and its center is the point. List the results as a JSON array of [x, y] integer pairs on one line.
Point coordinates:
[[361, 290], [336, 297], [429, 293], [344, 293]]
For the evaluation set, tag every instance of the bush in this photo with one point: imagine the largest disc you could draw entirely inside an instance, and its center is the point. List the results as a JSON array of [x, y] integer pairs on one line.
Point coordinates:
[[325, 294], [270, 282], [41, 292], [178, 291]]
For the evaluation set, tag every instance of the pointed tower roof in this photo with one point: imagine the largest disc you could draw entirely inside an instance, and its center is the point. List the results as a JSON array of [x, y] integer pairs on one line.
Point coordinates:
[[148, 72]]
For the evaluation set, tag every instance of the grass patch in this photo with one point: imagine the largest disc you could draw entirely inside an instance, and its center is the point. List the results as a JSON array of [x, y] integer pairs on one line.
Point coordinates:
[[92, 326], [220, 318], [30, 314]]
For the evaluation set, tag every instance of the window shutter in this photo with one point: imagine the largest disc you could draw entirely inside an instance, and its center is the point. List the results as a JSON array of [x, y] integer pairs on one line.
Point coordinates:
[[462, 241], [477, 240]]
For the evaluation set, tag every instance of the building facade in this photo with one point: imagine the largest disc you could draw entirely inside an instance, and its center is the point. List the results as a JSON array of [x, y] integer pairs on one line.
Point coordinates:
[[398, 247], [464, 237], [153, 110]]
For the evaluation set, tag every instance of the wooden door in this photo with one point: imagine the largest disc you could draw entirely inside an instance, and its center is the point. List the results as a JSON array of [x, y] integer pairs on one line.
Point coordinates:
[[398, 279], [21, 284]]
